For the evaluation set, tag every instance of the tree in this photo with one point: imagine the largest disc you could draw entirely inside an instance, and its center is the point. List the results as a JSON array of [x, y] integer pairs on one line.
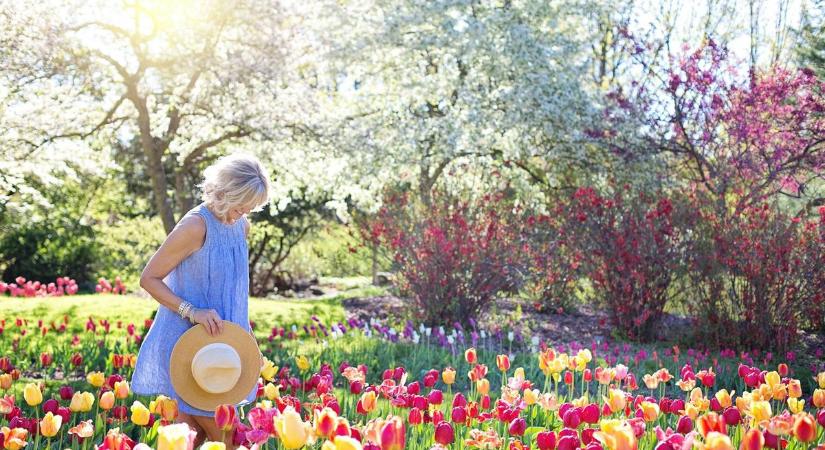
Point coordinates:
[[180, 80]]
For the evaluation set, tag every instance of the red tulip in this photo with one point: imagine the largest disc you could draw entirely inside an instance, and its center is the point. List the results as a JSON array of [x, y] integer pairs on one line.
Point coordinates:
[[413, 388], [46, 359], [471, 356], [590, 413], [225, 417], [685, 425], [804, 428], [588, 375], [572, 418], [820, 417], [77, 359], [503, 363], [66, 392], [356, 387], [430, 378], [568, 377], [459, 415], [546, 440], [783, 370], [459, 400], [711, 422], [568, 443], [50, 406], [415, 417], [435, 397], [732, 416], [444, 433], [517, 427]]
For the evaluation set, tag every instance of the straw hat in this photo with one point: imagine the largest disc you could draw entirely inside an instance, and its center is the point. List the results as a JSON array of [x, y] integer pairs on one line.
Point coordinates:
[[209, 371]]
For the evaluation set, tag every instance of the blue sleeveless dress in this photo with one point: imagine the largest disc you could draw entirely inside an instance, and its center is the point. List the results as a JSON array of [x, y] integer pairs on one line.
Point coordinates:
[[214, 277]]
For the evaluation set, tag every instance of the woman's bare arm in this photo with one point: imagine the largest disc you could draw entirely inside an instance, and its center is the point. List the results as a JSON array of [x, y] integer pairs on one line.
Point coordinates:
[[186, 238]]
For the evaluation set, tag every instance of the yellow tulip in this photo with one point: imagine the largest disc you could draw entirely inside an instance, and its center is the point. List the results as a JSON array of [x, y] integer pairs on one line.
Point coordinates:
[[302, 362], [531, 396], [272, 391], [691, 410], [760, 412], [773, 379], [616, 435], [96, 379], [107, 400], [50, 424], [82, 402], [166, 407], [796, 405], [121, 389], [269, 370], [212, 445], [724, 398], [176, 437], [651, 381], [293, 432], [32, 394], [581, 402], [519, 373], [140, 413], [717, 441], [820, 380], [616, 400], [342, 443], [483, 386], [448, 375]]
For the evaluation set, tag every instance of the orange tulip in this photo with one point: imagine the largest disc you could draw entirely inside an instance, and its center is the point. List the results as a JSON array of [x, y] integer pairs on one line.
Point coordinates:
[[753, 440], [780, 425], [5, 381], [84, 429], [483, 386], [367, 402], [804, 427], [711, 422], [14, 438], [471, 356], [616, 400], [107, 400], [650, 411], [121, 389], [794, 389], [819, 398], [616, 435], [724, 398]]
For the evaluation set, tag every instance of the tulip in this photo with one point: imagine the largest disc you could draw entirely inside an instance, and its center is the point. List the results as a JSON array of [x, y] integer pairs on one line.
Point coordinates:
[[760, 411], [650, 411], [302, 362], [367, 403], [804, 428], [752, 440], [271, 391], [96, 379], [140, 414], [342, 443], [794, 389], [5, 381], [292, 431], [212, 445], [14, 438], [616, 400], [471, 356], [175, 437], [590, 413], [531, 396], [795, 405], [572, 418], [820, 418], [444, 433], [107, 400], [50, 425], [83, 430], [517, 427], [783, 370], [166, 407], [121, 389], [684, 425], [436, 397], [616, 435], [392, 434], [225, 416], [415, 417], [32, 394], [82, 402], [448, 376], [326, 421], [458, 415], [503, 363], [732, 417], [717, 441], [819, 398], [65, 392], [483, 386], [546, 440], [50, 405]]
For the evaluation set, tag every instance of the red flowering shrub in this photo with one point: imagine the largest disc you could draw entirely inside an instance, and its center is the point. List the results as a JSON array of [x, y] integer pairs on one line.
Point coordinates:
[[632, 251], [453, 257], [553, 262], [757, 276]]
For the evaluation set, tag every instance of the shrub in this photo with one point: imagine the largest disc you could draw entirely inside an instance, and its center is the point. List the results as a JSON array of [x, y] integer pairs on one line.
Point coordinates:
[[454, 257], [553, 261], [757, 276], [632, 251]]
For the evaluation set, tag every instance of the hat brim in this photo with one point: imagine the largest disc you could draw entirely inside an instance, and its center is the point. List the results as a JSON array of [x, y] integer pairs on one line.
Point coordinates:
[[180, 365]]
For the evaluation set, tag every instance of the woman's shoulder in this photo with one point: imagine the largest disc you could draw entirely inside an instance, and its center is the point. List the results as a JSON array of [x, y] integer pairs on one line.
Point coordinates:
[[192, 226]]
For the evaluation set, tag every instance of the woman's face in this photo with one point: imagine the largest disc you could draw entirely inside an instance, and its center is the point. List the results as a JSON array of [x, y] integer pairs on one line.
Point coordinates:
[[238, 211]]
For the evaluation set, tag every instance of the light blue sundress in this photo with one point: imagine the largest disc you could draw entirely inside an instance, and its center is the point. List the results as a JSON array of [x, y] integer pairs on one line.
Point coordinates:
[[216, 276]]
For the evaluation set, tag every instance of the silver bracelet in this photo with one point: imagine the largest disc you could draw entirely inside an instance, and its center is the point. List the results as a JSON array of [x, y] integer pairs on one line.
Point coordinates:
[[183, 308]]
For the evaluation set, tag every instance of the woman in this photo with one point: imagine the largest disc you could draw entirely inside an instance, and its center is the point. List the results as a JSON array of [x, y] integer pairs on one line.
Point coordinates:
[[200, 276]]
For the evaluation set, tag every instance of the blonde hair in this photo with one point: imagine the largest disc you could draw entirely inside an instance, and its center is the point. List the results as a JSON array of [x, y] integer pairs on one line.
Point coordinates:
[[236, 179]]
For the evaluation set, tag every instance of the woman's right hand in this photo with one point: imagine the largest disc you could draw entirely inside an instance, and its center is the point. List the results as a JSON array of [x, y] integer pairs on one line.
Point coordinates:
[[210, 320]]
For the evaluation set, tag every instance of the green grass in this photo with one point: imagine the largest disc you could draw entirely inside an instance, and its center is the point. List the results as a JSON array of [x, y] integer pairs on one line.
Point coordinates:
[[266, 313]]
